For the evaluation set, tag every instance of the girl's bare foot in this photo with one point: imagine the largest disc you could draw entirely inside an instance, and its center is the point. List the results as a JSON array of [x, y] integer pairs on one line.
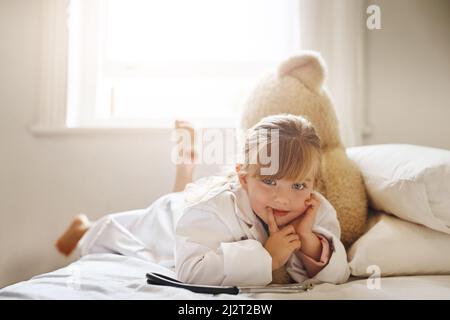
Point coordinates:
[[186, 153], [68, 241]]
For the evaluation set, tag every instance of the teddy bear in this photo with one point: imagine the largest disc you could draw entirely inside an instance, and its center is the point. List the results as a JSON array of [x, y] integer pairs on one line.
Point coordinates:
[[297, 87]]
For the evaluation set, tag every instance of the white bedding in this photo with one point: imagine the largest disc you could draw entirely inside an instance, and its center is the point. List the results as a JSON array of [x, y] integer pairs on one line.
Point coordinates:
[[111, 276]]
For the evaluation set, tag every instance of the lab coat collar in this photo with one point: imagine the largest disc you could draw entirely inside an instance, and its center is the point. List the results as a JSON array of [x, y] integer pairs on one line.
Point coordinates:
[[244, 211], [243, 206]]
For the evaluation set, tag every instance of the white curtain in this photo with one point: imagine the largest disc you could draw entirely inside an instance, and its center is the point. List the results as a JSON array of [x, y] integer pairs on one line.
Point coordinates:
[[336, 28]]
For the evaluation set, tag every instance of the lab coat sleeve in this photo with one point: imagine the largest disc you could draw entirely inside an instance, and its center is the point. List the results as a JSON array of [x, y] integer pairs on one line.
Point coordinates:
[[336, 270], [111, 234], [315, 266], [207, 253]]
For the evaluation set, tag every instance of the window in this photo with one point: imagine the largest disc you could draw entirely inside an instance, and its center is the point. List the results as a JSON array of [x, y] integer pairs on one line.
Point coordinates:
[[144, 63]]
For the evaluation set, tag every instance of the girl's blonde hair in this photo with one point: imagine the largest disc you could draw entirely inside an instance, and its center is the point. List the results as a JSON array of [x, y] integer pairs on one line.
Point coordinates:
[[289, 139]]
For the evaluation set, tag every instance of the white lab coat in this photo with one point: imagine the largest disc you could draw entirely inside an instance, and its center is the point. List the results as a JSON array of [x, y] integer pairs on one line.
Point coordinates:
[[217, 240]]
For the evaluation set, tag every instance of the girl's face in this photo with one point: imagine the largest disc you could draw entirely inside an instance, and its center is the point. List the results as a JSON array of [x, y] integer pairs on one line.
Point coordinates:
[[285, 198]]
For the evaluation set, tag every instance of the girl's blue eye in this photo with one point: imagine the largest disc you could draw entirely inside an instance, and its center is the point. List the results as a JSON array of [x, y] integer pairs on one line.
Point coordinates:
[[270, 182], [299, 186]]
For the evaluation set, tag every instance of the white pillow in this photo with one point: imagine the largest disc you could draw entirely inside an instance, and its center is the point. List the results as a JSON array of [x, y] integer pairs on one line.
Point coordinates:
[[411, 182], [399, 247]]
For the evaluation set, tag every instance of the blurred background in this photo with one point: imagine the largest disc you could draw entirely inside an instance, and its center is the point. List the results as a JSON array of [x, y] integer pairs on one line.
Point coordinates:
[[89, 91]]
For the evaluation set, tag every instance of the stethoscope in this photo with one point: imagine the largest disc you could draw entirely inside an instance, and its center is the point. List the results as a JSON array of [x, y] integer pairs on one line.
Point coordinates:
[[162, 280]]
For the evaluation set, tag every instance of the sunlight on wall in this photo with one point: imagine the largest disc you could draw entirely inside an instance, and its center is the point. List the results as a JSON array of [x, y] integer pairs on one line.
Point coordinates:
[[134, 61]]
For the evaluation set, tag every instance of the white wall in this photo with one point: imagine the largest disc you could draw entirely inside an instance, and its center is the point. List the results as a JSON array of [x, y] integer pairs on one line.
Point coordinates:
[[47, 180], [408, 74], [44, 181]]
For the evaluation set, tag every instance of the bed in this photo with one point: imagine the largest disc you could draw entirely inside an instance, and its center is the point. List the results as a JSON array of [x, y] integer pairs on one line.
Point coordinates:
[[111, 276], [402, 255]]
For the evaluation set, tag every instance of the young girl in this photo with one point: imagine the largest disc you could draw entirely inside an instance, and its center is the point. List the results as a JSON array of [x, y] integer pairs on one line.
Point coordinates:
[[237, 229]]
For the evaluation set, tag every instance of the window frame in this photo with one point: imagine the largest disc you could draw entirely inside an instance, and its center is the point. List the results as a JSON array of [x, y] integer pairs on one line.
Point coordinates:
[[53, 109], [51, 103]]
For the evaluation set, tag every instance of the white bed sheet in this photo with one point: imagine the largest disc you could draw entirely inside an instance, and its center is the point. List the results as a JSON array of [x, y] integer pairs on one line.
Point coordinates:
[[110, 276]]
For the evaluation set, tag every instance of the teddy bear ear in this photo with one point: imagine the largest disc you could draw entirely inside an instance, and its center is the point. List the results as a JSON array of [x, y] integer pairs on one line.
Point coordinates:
[[308, 68]]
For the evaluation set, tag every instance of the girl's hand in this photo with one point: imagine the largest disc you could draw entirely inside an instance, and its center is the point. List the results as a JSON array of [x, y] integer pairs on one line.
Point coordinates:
[[304, 224], [281, 243]]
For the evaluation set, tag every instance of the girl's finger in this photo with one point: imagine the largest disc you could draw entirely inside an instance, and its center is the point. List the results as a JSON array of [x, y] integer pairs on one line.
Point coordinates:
[[311, 211], [296, 244], [315, 199], [292, 237], [289, 229], [271, 222]]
